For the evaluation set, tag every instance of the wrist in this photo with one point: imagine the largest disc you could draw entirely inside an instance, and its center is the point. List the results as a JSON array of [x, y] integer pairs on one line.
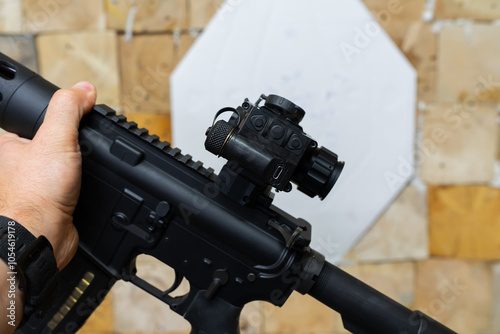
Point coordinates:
[[30, 264], [57, 228], [29, 215]]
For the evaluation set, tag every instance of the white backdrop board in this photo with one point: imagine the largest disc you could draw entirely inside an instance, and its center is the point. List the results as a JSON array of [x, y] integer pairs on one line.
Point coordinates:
[[331, 58]]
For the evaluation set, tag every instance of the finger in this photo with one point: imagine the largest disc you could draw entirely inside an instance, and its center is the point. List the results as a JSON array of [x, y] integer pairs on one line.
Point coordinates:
[[65, 111], [9, 136]]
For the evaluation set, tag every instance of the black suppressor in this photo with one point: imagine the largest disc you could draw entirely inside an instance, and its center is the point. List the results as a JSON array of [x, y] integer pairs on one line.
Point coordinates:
[[22, 90]]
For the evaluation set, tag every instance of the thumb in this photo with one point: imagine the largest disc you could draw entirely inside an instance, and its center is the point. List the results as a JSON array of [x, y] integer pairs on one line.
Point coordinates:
[[64, 113]]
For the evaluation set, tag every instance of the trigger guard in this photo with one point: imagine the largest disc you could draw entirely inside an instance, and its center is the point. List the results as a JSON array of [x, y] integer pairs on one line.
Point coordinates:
[[163, 295], [175, 285]]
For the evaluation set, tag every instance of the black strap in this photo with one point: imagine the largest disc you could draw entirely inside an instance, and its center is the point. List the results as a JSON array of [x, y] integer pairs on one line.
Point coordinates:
[[33, 262]]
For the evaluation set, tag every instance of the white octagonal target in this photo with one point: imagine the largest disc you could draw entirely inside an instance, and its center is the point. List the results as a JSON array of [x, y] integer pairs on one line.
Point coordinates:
[[332, 59]]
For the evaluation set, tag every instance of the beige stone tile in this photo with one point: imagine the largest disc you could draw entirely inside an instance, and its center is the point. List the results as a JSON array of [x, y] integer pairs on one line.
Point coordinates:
[[252, 318], [468, 63], [338, 325], [200, 12], [456, 293], [157, 124], [300, 314], [496, 298], [101, 321], [10, 16], [48, 15], [399, 234], [396, 16], [145, 73], [182, 45], [152, 15], [498, 143], [387, 10], [458, 143], [21, 48], [467, 9], [420, 46], [464, 222], [65, 59]]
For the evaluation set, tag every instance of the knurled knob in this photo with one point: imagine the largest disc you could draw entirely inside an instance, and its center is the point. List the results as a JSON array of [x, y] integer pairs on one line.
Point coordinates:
[[286, 107], [217, 137], [323, 171]]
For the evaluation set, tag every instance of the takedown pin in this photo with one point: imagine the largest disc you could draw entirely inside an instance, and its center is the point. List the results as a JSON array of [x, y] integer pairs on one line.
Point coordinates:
[[220, 278]]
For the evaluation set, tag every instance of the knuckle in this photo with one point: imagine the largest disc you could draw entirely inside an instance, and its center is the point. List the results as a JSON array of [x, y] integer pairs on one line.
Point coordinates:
[[65, 97]]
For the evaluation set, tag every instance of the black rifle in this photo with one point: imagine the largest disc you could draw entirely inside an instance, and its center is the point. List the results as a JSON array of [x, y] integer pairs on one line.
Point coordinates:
[[141, 196]]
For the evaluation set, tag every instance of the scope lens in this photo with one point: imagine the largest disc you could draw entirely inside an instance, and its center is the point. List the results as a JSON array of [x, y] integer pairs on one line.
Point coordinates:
[[318, 172]]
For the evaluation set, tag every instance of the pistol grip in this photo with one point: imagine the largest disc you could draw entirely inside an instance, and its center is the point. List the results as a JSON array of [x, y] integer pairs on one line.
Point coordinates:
[[212, 316]]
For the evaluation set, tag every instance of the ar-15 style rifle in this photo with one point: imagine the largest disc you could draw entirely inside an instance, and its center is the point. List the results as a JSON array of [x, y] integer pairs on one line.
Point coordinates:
[[140, 195]]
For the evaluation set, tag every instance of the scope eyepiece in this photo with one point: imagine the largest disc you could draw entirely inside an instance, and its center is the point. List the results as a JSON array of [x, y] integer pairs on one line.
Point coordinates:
[[268, 142]]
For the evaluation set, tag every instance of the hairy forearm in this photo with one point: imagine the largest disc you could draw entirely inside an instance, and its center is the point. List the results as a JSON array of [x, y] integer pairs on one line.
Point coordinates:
[[11, 299]]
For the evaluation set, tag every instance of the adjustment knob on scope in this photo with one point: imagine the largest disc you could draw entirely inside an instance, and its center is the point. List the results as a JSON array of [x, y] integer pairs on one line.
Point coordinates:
[[217, 137], [285, 107], [318, 173]]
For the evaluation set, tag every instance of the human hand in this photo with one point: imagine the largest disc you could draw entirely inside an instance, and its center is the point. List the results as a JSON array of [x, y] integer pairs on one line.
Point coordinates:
[[40, 178]]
